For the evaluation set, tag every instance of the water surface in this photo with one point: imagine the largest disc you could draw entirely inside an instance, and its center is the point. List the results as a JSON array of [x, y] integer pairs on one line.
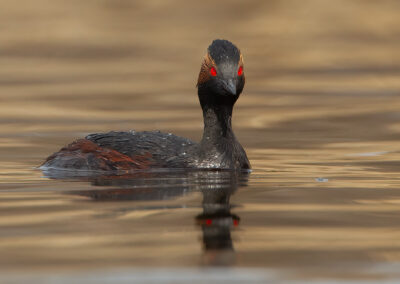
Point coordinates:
[[318, 118]]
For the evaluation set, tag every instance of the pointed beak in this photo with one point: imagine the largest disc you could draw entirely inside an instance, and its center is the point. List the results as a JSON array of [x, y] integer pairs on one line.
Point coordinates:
[[230, 87]]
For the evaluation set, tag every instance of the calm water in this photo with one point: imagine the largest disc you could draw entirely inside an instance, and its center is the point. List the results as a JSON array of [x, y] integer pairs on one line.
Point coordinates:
[[319, 119]]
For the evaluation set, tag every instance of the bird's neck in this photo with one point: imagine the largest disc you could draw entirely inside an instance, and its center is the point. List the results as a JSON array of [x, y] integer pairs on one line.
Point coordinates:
[[217, 124], [219, 146], [217, 115]]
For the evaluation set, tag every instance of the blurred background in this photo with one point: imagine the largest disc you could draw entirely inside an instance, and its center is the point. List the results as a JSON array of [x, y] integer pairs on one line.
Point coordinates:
[[70, 66], [318, 118]]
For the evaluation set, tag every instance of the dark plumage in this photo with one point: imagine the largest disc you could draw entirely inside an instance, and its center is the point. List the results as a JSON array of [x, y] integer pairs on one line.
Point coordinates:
[[221, 80], [222, 51]]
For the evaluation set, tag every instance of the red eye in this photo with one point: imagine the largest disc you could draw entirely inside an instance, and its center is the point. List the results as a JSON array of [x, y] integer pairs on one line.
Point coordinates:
[[213, 71], [240, 71]]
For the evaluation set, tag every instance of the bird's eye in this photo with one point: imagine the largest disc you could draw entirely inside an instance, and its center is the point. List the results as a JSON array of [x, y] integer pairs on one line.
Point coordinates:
[[240, 71], [213, 71]]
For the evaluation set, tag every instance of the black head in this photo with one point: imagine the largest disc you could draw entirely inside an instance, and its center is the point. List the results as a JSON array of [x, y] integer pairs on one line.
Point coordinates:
[[221, 74]]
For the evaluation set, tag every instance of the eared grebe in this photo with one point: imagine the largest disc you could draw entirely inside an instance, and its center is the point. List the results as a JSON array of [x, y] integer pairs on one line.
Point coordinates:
[[220, 82]]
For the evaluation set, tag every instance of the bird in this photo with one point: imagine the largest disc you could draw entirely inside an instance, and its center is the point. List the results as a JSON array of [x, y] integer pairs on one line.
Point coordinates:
[[220, 82]]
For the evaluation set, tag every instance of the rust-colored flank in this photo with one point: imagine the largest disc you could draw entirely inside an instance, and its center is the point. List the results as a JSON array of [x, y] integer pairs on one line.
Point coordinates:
[[104, 158]]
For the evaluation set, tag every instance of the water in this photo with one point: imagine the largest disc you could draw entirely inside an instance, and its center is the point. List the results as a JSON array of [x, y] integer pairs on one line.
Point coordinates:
[[318, 118]]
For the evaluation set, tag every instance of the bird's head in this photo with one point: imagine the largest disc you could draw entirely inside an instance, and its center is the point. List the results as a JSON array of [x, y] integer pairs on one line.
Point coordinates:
[[221, 75]]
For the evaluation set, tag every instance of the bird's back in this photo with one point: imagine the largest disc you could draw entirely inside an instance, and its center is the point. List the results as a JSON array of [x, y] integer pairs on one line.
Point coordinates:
[[124, 151], [162, 149]]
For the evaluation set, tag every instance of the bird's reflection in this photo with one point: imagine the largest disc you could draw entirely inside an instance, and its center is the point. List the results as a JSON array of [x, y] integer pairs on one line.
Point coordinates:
[[216, 221]]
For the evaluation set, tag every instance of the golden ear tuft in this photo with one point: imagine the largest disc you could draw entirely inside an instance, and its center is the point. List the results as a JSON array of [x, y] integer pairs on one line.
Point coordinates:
[[241, 62], [204, 74]]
